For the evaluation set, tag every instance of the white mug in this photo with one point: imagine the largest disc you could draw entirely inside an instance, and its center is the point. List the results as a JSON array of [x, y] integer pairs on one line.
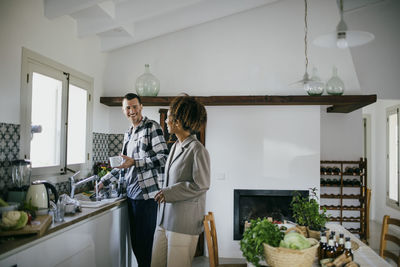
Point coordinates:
[[115, 161]]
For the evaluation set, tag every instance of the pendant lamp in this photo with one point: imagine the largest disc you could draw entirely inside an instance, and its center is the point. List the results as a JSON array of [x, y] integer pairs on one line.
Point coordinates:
[[343, 38], [311, 86]]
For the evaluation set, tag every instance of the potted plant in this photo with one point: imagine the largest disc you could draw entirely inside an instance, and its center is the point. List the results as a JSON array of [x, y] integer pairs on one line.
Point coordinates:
[[259, 232], [307, 213]]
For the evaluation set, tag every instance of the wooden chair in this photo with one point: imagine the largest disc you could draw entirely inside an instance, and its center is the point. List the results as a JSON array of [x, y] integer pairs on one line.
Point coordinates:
[[212, 242], [383, 252], [367, 207]]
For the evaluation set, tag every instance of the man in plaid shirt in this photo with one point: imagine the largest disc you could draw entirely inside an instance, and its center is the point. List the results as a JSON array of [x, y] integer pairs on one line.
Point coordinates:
[[145, 153]]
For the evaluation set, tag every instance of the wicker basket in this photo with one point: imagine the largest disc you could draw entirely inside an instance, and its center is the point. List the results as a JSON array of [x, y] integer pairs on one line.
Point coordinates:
[[316, 234], [313, 234], [285, 257], [299, 229]]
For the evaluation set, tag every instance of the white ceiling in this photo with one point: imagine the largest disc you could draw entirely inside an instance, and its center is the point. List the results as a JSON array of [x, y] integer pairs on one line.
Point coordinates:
[[119, 23]]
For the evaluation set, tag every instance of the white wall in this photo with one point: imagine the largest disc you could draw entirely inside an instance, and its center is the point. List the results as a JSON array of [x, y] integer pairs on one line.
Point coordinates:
[[256, 52], [341, 135], [378, 63], [258, 148], [22, 24], [378, 162]]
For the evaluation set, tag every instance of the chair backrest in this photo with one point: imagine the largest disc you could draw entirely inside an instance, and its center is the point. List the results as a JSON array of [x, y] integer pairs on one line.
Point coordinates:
[[211, 237], [383, 252], [368, 201]]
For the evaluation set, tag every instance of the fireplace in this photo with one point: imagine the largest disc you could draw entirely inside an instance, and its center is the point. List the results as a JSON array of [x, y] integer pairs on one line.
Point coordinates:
[[253, 204]]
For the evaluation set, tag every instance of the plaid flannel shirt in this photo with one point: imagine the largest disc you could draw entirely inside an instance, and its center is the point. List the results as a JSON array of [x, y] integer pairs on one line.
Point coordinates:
[[150, 155]]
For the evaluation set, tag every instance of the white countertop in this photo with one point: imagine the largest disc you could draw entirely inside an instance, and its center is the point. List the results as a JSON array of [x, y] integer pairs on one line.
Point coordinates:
[[364, 255]]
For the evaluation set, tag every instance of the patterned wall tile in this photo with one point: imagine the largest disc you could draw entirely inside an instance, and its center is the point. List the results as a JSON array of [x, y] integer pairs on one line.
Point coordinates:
[[9, 150], [104, 146], [63, 188], [100, 147], [115, 142]]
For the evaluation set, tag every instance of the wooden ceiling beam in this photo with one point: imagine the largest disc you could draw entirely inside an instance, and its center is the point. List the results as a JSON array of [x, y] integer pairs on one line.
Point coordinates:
[[337, 104]]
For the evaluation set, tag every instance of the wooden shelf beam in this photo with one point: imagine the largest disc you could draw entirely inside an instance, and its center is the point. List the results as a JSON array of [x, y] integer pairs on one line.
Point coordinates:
[[337, 104]]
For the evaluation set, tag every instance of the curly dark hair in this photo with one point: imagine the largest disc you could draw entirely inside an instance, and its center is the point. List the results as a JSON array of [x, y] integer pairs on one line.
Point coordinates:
[[189, 112]]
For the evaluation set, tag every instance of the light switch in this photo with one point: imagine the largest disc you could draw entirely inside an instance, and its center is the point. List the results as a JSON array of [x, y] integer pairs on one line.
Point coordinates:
[[220, 176]]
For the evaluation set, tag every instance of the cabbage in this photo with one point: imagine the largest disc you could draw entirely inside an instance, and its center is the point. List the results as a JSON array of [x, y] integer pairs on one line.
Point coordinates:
[[13, 220], [294, 241]]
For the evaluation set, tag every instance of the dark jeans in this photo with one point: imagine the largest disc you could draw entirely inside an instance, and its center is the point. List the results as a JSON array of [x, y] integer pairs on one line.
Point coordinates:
[[142, 221]]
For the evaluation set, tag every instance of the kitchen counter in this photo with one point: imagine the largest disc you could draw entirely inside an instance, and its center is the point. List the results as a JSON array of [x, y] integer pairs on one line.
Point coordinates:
[[11, 245]]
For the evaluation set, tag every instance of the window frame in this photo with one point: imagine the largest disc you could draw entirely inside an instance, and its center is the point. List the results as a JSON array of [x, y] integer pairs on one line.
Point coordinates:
[[390, 202], [32, 61]]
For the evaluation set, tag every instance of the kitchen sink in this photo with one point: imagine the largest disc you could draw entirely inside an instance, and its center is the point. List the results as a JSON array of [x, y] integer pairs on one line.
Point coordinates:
[[86, 202]]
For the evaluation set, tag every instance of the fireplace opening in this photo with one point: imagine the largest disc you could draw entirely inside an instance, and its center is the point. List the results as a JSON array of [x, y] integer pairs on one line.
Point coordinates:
[[253, 204]]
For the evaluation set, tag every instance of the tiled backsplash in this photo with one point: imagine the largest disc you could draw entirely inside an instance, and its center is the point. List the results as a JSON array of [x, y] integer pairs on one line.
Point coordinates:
[[9, 150], [104, 146]]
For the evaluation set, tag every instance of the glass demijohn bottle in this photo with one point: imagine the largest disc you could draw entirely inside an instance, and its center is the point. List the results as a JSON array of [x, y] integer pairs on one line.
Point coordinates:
[[335, 85], [314, 87], [147, 84]]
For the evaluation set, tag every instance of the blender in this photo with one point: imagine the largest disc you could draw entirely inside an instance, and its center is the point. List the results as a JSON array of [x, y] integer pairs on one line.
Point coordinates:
[[21, 175]]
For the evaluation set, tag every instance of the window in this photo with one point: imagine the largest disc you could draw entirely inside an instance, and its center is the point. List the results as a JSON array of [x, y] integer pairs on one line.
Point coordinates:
[[55, 116], [392, 149]]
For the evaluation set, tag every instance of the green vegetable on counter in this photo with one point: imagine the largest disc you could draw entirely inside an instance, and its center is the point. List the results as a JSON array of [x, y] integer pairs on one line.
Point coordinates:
[[259, 232], [295, 241], [13, 220], [3, 203]]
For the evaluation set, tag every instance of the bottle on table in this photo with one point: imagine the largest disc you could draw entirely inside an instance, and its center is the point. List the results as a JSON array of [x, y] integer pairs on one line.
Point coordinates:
[[330, 252], [322, 246], [347, 248], [340, 246], [333, 233]]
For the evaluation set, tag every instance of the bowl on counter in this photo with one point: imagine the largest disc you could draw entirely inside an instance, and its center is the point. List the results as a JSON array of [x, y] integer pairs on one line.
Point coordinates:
[[11, 206]]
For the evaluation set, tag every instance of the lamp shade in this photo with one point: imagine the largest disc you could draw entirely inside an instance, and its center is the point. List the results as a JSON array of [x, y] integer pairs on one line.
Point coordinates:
[[344, 39]]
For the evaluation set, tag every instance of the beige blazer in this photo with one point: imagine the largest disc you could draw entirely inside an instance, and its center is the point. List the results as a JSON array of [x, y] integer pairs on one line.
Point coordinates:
[[187, 179]]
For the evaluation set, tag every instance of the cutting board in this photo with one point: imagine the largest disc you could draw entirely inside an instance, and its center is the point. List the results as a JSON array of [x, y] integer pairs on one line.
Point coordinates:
[[37, 227]]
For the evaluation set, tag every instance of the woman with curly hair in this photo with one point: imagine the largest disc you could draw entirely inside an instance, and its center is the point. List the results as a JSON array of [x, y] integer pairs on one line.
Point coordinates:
[[183, 195]]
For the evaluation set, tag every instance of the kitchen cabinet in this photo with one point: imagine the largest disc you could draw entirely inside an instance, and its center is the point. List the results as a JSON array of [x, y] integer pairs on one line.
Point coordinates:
[[343, 193], [101, 240]]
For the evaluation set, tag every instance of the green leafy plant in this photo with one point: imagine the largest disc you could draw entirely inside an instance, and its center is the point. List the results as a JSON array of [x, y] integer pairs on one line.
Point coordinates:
[[29, 209], [101, 169], [259, 232], [306, 211]]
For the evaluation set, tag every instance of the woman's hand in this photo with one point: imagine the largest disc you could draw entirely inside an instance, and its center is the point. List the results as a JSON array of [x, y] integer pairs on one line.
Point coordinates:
[[127, 163], [160, 198]]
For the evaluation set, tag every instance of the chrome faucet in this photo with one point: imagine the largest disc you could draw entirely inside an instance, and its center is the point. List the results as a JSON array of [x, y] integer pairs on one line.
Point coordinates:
[[84, 181]]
